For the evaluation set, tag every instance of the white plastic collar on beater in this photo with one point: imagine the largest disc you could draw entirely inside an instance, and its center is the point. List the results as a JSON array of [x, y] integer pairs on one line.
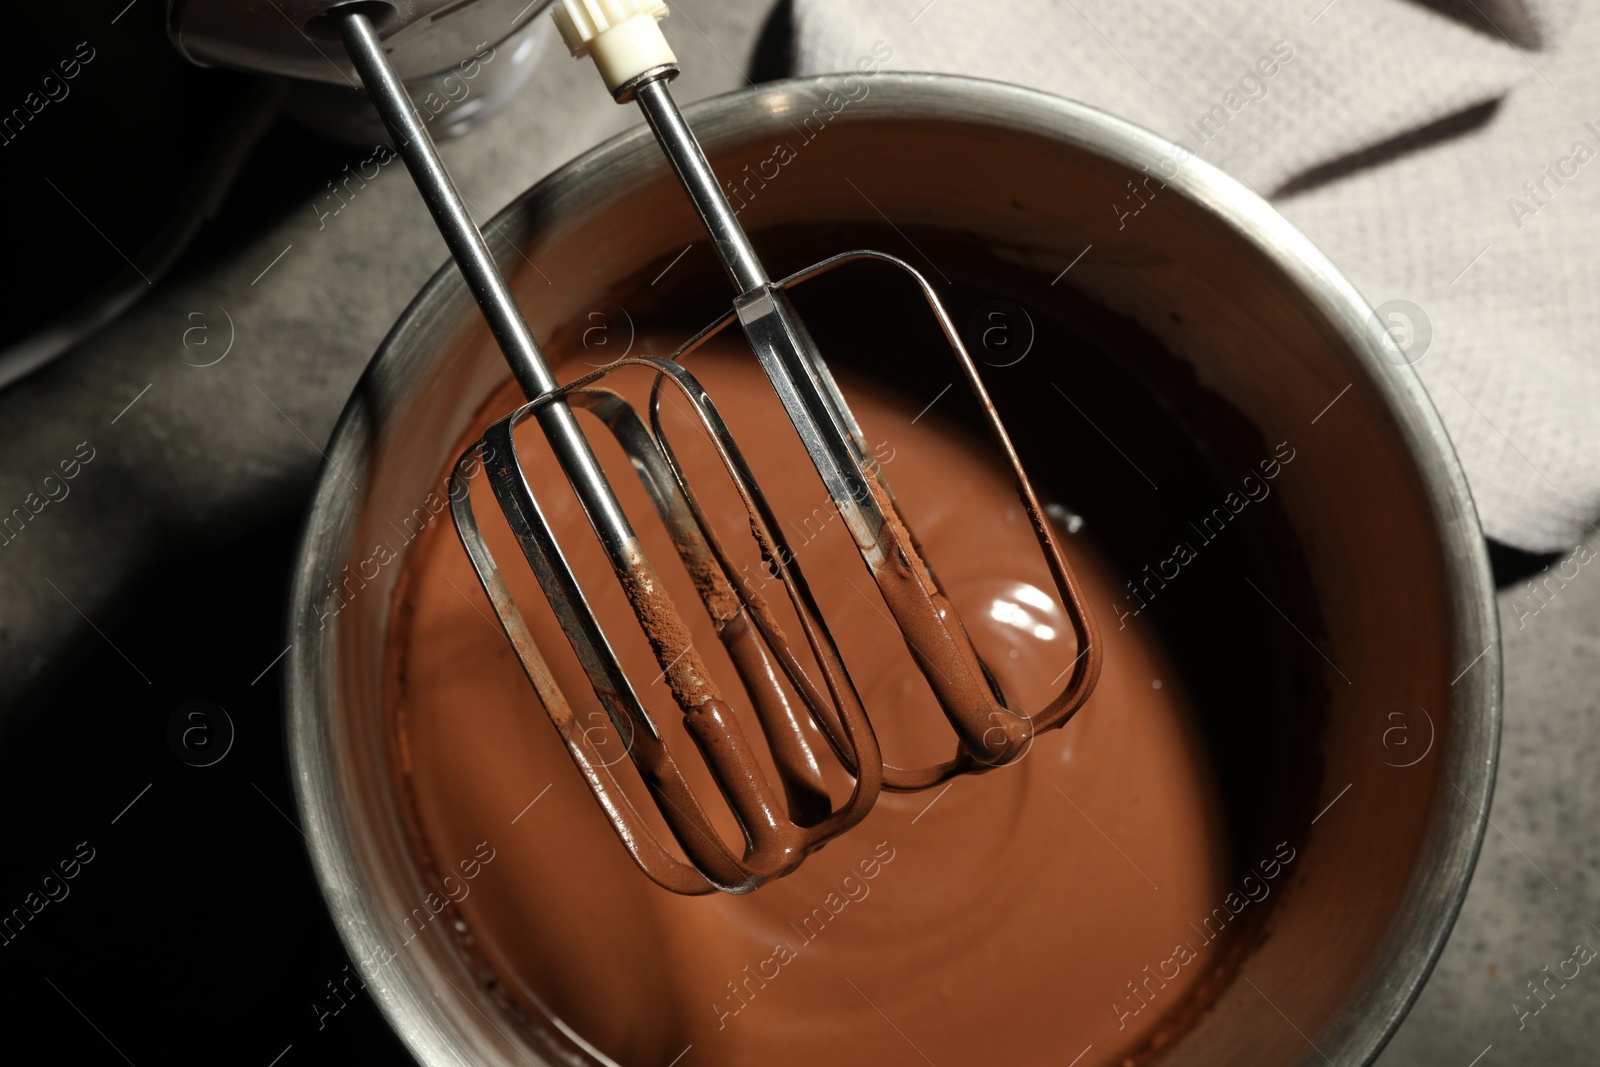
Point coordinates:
[[621, 36]]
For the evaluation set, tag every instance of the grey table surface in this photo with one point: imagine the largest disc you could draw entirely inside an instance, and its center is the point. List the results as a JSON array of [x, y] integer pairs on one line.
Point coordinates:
[[187, 456]]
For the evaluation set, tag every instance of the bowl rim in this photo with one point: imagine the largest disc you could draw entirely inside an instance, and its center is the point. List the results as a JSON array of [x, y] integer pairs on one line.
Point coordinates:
[[1452, 844]]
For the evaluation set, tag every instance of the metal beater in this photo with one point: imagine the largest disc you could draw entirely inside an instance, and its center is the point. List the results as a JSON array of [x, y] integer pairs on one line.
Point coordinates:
[[624, 39]]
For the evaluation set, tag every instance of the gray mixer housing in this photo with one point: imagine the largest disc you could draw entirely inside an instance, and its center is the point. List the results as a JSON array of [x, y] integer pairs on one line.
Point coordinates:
[[286, 37], [461, 60]]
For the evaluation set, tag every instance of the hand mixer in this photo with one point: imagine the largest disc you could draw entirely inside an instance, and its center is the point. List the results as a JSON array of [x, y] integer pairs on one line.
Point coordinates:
[[624, 39]]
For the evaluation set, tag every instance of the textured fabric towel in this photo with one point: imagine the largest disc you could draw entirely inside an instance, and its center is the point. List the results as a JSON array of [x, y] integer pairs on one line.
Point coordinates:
[[1443, 154]]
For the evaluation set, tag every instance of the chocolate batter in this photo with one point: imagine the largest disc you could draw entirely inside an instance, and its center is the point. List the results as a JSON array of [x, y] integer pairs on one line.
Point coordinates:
[[1023, 916]]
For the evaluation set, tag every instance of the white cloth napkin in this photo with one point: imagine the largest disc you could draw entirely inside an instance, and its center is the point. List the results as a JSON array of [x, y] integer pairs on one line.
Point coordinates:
[[1398, 135]]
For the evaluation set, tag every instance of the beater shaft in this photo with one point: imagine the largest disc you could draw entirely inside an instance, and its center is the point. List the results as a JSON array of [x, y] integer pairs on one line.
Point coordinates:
[[680, 663], [489, 289], [686, 675], [991, 733], [787, 353]]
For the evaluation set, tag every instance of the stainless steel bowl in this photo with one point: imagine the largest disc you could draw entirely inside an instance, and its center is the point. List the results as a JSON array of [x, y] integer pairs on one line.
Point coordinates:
[[1400, 606]]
